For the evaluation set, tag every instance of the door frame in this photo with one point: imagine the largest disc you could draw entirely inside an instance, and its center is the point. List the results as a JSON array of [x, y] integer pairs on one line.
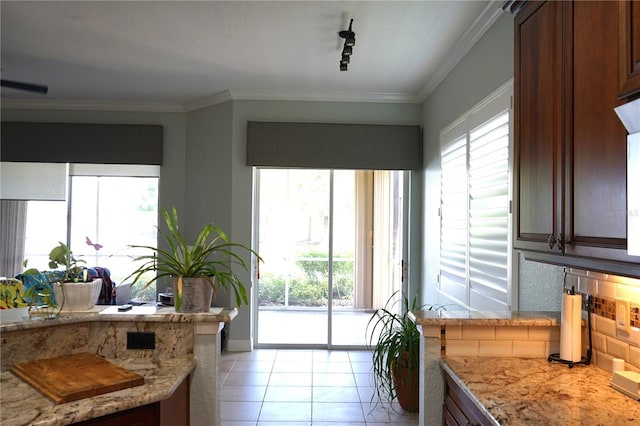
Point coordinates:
[[404, 284]]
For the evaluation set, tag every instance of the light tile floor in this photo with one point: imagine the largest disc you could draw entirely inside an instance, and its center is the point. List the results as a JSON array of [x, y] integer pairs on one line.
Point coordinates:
[[302, 387], [309, 326]]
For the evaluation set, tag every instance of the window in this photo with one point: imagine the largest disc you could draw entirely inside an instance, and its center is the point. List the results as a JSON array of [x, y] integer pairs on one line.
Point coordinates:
[[475, 220], [111, 205]]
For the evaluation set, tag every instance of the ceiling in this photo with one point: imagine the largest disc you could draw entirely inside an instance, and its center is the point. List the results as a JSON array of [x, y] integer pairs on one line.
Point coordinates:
[[183, 55]]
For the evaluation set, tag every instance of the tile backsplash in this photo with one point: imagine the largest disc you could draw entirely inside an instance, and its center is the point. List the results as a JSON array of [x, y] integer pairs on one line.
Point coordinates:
[[500, 341], [609, 341]]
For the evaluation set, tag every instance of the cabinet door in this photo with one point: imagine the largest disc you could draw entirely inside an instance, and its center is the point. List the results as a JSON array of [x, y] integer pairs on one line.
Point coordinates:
[[174, 411], [146, 415], [596, 194], [538, 108], [458, 408], [629, 41]]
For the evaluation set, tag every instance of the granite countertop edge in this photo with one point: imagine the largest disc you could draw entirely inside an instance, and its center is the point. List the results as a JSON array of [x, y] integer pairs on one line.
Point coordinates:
[[23, 405], [10, 321], [486, 318]]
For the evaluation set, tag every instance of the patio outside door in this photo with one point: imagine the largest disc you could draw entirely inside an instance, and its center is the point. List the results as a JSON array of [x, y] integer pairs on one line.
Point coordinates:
[[325, 270]]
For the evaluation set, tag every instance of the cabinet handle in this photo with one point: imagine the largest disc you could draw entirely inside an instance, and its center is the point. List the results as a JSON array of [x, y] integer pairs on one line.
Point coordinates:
[[559, 242]]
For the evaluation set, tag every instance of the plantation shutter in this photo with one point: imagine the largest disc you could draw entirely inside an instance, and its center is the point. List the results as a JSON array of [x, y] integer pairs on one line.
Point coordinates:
[[475, 237], [489, 214], [453, 219]]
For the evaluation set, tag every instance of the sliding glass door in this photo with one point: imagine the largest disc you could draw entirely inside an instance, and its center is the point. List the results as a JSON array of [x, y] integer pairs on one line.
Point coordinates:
[[332, 243]]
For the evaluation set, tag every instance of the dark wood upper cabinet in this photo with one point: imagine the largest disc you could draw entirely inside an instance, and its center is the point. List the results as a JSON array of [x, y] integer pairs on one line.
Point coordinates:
[[538, 103], [595, 139], [629, 42], [570, 194]]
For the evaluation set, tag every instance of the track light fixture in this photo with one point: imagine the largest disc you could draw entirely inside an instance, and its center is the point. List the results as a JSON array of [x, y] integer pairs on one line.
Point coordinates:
[[347, 50]]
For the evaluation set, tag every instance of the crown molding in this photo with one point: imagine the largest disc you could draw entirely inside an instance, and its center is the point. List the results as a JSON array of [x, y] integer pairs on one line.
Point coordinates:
[[462, 46], [271, 95], [211, 100], [324, 96], [207, 101], [90, 105]]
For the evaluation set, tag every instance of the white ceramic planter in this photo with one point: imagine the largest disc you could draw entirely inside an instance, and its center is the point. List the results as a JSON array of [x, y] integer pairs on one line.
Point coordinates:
[[78, 296]]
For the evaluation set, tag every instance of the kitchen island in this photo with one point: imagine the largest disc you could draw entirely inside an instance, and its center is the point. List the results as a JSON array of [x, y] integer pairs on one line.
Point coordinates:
[[185, 349]]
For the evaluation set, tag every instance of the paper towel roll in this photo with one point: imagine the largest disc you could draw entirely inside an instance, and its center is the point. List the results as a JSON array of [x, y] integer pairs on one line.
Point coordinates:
[[571, 328]]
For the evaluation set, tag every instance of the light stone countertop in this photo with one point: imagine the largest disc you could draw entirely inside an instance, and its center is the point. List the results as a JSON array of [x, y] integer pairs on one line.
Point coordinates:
[[519, 391], [486, 318], [18, 319], [23, 405]]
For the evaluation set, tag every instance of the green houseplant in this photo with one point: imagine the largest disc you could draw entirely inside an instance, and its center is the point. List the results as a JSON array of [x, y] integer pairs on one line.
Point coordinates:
[[394, 342], [197, 270], [61, 289]]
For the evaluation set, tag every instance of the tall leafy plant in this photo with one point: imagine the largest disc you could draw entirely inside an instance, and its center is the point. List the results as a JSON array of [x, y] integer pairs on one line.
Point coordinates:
[[211, 256], [394, 341]]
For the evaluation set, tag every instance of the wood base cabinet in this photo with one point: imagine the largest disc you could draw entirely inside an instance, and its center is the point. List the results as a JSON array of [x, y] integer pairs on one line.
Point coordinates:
[[173, 411], [458, 409], [570, 195], [147, 415]]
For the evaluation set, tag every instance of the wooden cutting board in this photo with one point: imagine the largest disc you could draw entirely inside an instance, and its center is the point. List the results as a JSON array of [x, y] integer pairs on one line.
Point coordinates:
[[73, 377]]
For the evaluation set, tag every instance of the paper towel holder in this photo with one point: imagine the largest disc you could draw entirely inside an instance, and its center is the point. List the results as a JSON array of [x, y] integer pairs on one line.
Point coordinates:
[[586, 360]]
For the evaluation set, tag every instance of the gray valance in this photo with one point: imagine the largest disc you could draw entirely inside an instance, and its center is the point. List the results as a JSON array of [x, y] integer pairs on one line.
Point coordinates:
[[334, 146], [81, 143]]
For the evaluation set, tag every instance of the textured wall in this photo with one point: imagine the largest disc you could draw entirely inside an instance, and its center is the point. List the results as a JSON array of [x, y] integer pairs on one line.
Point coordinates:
[[540, 286]]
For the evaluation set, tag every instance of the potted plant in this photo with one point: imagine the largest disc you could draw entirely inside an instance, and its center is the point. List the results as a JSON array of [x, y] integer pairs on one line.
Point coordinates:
[[394, 341], [197, 270], [66, 289]]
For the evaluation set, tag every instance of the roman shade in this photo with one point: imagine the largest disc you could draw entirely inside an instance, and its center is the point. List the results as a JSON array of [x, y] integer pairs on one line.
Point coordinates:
[[81, 143], [33, 181], [334, 146]]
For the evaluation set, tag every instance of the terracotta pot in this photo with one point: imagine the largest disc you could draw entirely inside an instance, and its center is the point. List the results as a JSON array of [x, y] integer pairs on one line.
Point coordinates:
[[192, 295], [406, 381]]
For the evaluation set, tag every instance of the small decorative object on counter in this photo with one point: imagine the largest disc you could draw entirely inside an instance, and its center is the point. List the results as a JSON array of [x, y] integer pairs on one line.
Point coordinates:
[[12, 294], [197, 269]]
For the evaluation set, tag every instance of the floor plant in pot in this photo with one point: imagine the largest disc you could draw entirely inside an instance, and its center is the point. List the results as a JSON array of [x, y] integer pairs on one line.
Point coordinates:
[[197, 269], [394, 341]]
